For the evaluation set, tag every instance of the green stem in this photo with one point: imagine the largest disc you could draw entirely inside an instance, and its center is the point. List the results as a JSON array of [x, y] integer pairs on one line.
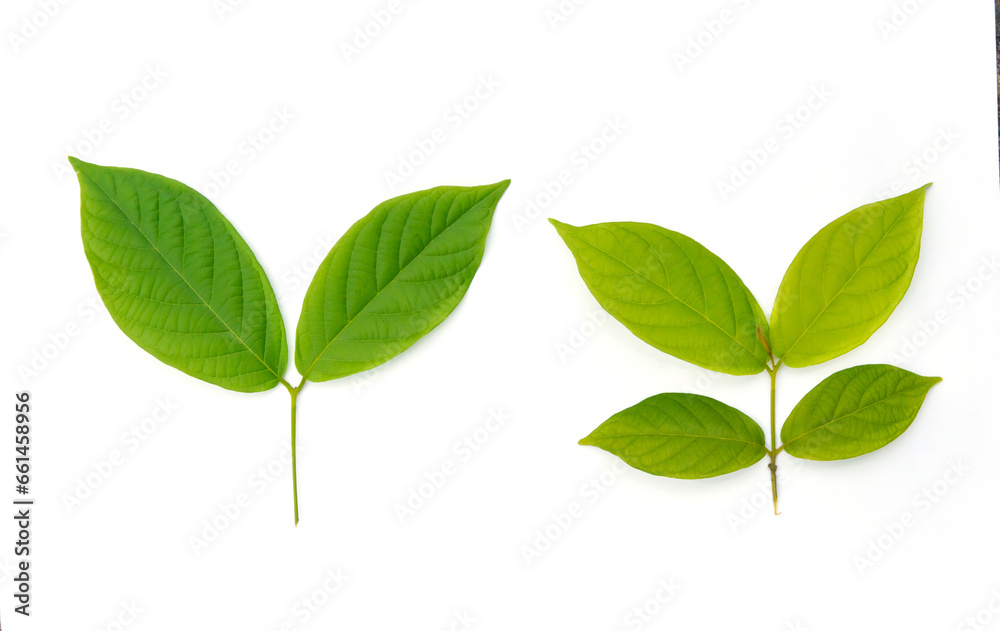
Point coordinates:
[[773, 466], [294, 392]]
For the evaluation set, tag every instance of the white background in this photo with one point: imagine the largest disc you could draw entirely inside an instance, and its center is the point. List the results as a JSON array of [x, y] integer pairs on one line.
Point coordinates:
[[365, 442]]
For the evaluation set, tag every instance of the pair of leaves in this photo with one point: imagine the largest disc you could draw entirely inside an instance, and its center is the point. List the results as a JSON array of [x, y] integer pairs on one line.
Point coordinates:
[[676, 295], [852, 412], [179, 280], [681, 298]]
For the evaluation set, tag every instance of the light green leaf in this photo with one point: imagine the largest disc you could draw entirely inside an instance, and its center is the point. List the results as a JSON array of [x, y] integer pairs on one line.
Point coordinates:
[[854, 412], [395, 275], [179, 280], [681, 436], [672, 293], [847, 280]]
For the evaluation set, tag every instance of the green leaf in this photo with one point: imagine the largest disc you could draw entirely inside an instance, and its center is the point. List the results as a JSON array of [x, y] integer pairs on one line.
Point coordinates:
[[681, 436], [854, 412], [672, 293], [395, 275], [179, 280], [847, 280]]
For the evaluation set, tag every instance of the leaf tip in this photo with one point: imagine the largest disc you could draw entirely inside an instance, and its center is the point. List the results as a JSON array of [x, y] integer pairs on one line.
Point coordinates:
[[497, 188], [76, 163], [586, 441], [920, 192], [559, 226]]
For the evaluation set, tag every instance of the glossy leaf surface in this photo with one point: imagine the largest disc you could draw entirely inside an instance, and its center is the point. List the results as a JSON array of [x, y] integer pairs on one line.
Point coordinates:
[[179, 280], [395, 275]]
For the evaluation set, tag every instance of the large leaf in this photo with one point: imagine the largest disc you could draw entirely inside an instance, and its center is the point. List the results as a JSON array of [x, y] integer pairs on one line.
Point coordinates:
[[846, 281], [672, 293], [854, 412], [685, 436], [179, 280], [395, 274]]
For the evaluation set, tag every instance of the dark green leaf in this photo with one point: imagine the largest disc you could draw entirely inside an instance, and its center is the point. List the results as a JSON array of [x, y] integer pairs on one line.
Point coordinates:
[[179, 280]]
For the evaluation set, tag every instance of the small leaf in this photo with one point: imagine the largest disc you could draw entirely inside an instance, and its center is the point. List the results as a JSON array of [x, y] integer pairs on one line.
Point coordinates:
[[847, 280], [685, 436], [179, 280], [672, 293], [395, 275], [854, 412]]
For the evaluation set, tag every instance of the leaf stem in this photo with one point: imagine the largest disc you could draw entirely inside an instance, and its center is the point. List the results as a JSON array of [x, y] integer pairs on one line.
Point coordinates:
[[773, 452], [294, 392]]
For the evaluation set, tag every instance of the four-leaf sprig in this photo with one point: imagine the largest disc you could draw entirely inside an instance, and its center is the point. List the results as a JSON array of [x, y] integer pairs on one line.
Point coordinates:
[[677, 296]]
